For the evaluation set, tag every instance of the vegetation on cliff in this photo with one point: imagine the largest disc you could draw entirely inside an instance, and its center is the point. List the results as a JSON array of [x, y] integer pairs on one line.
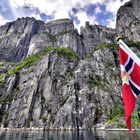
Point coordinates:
[[115, 46], [31, 60]]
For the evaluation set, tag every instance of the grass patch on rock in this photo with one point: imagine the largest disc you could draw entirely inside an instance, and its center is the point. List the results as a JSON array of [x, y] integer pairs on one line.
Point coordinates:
[[63, 32], [67, 52], [31, 60], [53, 37], [113, 46], [96, 81], [44, 119], [7, 99], [132, 43], [118, 118], [116, 112]]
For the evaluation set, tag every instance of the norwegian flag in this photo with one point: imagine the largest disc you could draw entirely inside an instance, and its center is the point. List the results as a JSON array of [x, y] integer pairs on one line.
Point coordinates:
[[130, 74]]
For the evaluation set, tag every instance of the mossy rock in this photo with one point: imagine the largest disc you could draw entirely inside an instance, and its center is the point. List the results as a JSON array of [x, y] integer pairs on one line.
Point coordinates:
[[5, 116], [6, 100], [52, 37], [67, 52], [113, 46], [44, 119], [63, 32], [31, 60]]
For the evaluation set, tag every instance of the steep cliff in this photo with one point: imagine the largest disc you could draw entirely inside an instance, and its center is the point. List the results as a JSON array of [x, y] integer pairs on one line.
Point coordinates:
[[93, 35], [128, 20], [50, 92], [15, 38], [52, 77]]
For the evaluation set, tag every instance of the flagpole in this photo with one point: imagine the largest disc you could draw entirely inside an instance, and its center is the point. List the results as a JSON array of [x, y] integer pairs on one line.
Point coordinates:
[[128, 50]]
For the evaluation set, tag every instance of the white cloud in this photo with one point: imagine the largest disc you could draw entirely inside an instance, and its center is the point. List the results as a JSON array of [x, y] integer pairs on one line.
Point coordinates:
[[86, 2], [111, 23], [83, 17], [3, 20], [48, 7], [97, 10], [113, 6], [61, 8]]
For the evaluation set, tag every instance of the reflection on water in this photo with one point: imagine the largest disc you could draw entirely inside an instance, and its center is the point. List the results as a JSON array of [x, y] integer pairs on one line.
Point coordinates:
[[67, 135]]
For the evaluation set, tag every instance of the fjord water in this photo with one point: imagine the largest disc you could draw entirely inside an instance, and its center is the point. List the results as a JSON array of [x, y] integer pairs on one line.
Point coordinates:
[[67, 135]]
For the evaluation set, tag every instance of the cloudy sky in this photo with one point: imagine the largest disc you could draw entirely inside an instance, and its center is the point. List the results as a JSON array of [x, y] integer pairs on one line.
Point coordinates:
[[101, 12]]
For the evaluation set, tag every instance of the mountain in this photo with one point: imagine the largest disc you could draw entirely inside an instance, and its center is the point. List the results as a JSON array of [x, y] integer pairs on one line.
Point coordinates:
[[128, 20], [52, 77]]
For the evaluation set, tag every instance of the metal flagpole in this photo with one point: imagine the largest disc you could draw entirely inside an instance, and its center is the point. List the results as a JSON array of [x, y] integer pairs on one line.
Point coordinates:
[[128, 50]]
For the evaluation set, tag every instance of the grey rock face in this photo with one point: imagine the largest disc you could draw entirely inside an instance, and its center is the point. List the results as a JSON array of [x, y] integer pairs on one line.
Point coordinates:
[[54, 96], [15, 38], [58, 33], [128, 20], [93, 35], [55, 92], [43, 90]]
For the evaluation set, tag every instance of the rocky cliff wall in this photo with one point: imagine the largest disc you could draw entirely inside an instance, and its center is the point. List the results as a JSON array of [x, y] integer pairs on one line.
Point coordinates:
[[128, 20], [50, 93], [54, 78]]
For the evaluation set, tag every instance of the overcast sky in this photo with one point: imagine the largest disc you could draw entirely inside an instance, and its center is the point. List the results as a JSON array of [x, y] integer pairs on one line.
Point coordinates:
[[101, 12]]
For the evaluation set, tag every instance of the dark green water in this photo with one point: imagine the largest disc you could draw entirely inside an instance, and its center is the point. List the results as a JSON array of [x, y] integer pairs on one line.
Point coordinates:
[[67, 135]]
